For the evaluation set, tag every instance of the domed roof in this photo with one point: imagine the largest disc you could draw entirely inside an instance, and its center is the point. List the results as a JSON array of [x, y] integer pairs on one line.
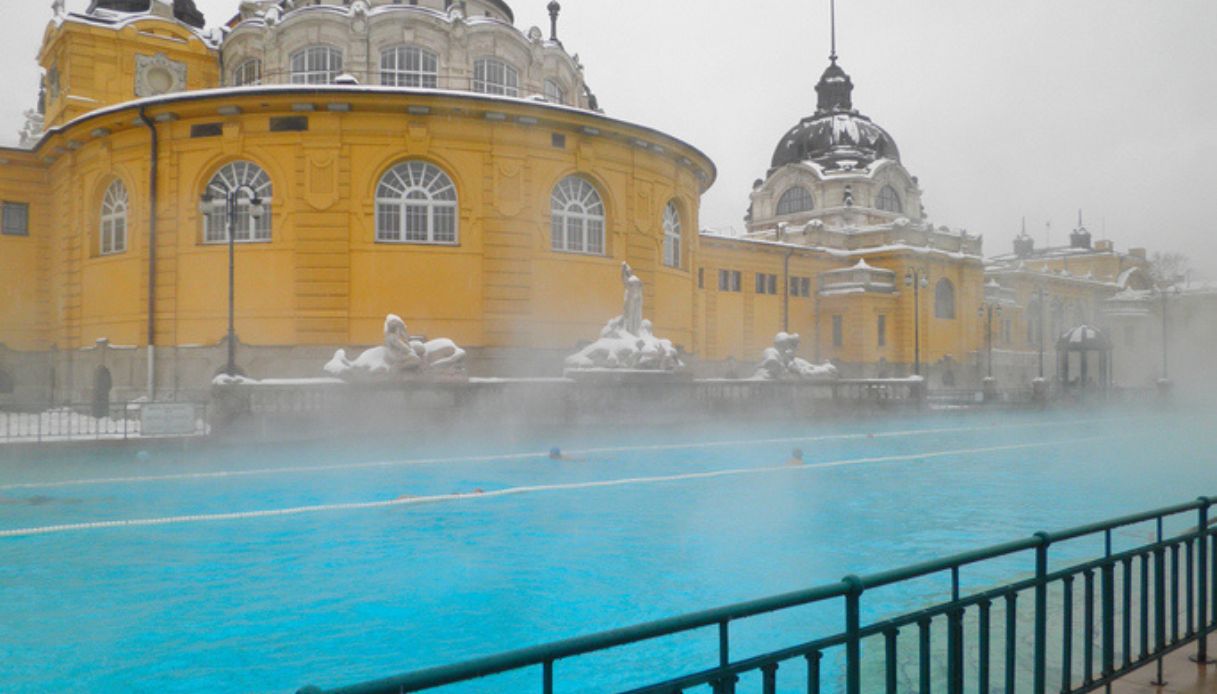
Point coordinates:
[[836, 133], [183, 10]]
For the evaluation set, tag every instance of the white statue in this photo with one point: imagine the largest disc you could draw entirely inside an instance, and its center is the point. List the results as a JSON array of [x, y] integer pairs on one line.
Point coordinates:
[[628, 341], [398, 355], [632, 312], [780, 362]]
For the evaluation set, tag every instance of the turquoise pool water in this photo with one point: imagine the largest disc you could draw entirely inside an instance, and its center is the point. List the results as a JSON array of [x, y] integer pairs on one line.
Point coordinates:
[[265, 569]]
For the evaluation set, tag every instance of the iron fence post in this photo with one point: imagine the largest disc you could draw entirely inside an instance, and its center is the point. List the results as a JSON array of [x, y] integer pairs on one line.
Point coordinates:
[[813, 672], [982, 666], [889, 661], [1041, 611], [1202, 580], [955, 651], [853, 637], [1109, 618]]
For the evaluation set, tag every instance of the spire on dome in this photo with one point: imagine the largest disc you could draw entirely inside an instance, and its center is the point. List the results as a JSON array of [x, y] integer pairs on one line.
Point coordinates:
[[1080, 238], [835, 87]]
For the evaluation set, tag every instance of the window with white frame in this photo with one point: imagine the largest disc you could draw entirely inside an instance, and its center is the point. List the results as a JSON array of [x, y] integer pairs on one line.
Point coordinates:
[[316, 65], [409, 66], [493, 76], [889, 200], [795, 200], [577, 217], [113, 229], [671, 236], [242, 176], [416, 203], [248, 73], [554, 92]]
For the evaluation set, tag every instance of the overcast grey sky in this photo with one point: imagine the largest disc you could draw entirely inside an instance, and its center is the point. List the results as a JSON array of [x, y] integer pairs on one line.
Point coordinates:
[[1002, 109]]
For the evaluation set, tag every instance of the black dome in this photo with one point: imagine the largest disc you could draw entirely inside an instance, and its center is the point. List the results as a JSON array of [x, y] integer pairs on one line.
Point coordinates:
[[836, 132], [183, 10]]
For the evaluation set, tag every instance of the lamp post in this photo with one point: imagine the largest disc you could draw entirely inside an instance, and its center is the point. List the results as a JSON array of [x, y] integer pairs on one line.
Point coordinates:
[[1165, 290], [916, 278], [986, 312], [1039, 302], [231, 201]]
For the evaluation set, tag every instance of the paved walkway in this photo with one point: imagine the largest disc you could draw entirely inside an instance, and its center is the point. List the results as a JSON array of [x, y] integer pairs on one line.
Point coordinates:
[[1181, 674]]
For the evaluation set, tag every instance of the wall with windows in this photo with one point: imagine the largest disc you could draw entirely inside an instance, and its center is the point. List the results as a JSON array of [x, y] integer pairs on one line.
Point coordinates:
[[500, 225], [402, 45]]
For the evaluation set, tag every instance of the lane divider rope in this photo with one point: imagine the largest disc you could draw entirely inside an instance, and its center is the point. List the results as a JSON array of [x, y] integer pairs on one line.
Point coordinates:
[[220, 474], [531, 489]]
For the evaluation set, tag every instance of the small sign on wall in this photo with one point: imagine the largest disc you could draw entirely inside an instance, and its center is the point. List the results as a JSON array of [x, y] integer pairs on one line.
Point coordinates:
[[167, 419]]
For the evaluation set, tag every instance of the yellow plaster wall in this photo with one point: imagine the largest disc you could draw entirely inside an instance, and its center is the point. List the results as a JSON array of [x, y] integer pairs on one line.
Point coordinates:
[[24, 296], [97, 67]]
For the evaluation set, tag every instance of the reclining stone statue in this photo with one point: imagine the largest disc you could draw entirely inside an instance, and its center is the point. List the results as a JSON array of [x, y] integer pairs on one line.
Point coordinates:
[[780, 363], [399, 355]]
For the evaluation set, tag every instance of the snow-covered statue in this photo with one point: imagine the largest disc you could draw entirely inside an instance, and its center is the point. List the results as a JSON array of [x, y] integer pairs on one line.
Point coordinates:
[[57, 8], [633, 300], [399, 355], [780, 363], [628, 341]]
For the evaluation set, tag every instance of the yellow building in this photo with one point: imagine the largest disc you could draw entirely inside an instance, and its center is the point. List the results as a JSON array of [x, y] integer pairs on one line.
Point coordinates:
[[432, 160], [484, 201]]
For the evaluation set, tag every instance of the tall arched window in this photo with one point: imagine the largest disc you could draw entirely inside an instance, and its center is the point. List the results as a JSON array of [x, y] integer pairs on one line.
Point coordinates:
[[493, 76], [113, 231], [577, 217], [416, 203], [409, 66], [316, 65], [889, 200], [944, 299], [241, 176], [671, 235], [248, 73], [795, 200]]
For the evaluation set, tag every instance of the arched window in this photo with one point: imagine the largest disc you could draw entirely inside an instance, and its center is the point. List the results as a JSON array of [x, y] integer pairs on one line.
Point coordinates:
[[316, 65], [671, 235], [240, 176], [248, 73], [113, 231], [554, 92], [889, 200], [577, 221], [493, 76], [416, 203], [944, 299], [795, 200], [409, 66]]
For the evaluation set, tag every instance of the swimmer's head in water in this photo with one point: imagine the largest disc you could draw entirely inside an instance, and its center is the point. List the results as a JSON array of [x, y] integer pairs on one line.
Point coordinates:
[[555, 453], [797, 454]]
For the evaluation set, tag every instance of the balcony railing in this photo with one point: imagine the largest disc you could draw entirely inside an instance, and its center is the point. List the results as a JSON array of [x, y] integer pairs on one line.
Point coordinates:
[[1136, 605]]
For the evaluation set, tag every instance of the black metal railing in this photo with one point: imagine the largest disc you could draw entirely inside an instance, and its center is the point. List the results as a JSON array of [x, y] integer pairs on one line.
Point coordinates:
[[1136, 606]]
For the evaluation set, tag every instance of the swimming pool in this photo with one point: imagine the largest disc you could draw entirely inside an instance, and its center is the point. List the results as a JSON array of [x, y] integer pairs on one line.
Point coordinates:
[[267, 568]]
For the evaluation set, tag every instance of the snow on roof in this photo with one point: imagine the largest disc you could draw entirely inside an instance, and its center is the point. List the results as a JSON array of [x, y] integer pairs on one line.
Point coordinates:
[[321, 90], [857, 253], [111, 19]]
